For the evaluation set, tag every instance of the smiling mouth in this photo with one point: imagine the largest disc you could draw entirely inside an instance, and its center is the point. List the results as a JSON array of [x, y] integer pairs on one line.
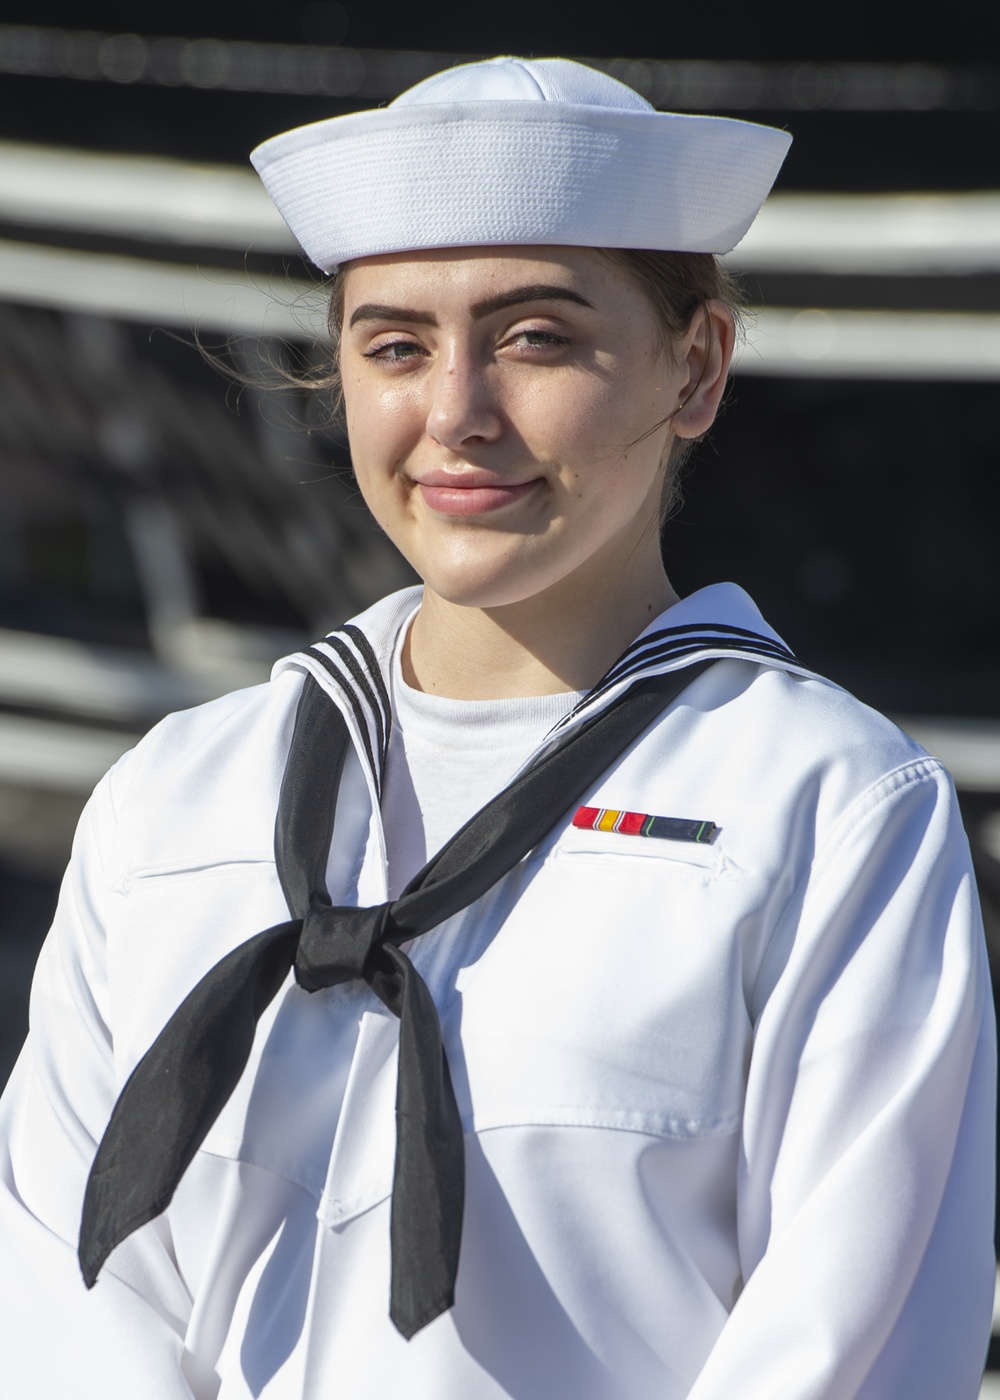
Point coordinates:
[[448, 497]]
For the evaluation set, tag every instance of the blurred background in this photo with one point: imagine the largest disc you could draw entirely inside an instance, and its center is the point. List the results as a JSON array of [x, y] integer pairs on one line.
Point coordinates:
[[165, 533]]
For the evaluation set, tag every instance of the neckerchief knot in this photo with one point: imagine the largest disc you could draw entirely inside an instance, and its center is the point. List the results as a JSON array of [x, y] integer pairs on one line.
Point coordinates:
[[340, 943]]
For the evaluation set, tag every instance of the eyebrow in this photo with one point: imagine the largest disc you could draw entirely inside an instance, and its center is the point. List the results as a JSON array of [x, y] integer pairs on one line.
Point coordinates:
[[517, 296]]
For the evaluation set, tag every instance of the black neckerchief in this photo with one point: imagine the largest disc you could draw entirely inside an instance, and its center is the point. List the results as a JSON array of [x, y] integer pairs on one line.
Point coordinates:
[[181, 1084]]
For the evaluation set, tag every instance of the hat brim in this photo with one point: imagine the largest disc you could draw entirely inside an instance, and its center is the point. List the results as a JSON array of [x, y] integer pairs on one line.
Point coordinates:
[[512, 172]]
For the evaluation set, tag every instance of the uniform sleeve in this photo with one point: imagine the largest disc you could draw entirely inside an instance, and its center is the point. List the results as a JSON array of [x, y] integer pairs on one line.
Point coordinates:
[[125, 1337], [866, 1191]]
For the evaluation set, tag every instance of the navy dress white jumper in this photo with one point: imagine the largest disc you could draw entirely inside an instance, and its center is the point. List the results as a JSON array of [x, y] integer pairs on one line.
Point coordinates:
[[727, 1102]]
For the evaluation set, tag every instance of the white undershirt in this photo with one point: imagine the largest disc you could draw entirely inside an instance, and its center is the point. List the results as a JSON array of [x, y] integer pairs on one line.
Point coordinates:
[[447, 758]]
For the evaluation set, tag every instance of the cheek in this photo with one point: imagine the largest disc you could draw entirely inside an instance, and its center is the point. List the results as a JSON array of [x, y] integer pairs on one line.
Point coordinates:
[[614, 457], [604, 419], [369, 436]]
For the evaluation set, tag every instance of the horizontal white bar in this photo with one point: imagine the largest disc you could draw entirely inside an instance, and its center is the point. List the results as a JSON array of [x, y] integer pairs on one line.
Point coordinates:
[[59, 673], [132, 289], [57, 757], [145, 197], [872, 344], [895, 235]]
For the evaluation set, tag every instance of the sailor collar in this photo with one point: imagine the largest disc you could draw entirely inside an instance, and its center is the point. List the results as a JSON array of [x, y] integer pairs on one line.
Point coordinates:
[[352, 663]]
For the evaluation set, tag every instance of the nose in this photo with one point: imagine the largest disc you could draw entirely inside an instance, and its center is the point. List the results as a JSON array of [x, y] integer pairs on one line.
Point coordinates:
[[462, 411]]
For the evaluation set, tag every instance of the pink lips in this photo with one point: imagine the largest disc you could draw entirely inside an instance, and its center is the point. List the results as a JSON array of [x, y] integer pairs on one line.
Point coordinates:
[[471, 492]]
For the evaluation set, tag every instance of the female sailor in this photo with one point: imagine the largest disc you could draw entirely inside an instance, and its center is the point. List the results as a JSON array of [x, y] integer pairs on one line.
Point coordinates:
[[545, 986]]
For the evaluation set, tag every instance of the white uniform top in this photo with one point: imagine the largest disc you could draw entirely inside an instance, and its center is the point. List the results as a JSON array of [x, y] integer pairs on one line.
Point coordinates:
[[729, 1107]]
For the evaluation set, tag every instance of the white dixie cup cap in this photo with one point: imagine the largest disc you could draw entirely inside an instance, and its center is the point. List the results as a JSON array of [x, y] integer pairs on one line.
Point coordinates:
[[519, 151]]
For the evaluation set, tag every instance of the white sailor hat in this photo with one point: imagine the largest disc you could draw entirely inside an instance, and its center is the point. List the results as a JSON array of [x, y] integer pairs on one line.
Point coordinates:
[[515, 151]]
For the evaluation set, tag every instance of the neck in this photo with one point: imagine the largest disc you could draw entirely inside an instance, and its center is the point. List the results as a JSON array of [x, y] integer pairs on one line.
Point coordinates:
[[563, 639]]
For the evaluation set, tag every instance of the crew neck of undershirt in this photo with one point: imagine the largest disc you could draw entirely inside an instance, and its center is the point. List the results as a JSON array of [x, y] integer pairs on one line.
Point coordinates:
[[448, 758], [466, 721]]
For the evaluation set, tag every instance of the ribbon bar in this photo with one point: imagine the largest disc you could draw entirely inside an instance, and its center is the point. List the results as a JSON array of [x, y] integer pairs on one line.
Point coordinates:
[[645, 824]]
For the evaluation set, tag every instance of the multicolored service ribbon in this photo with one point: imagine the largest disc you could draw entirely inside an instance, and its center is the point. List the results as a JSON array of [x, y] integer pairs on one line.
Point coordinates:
[[644, 824]]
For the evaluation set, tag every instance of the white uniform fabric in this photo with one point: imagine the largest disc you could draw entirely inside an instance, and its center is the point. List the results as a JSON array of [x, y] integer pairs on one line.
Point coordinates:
[[729, 1107]]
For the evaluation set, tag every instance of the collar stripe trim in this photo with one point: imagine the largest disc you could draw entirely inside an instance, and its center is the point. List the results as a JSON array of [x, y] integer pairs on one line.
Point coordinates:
[[638, 653], [685, 647], [703, 833], [345, 687], [374, 671], [367, 693], [701, 629], [706, 646]]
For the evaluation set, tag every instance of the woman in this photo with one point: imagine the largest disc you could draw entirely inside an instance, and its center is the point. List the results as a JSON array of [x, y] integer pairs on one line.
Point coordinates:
[[699, 979]]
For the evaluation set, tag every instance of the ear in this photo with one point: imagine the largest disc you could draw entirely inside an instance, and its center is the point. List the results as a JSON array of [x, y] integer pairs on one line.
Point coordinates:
[[705, 350]]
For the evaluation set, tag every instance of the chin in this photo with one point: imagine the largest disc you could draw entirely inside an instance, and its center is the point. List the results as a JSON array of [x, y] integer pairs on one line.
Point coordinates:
[[483, 587], [474, 575], [484, 593]]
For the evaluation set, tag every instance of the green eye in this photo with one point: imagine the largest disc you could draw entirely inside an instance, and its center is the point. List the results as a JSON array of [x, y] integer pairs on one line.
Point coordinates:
[[394, 350], [540, 339]]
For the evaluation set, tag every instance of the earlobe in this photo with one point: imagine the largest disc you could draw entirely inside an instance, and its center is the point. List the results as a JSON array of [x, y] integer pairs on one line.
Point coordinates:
[[707, 350]]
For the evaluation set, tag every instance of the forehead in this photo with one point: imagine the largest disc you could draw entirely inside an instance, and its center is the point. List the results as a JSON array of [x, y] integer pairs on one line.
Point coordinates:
[[460, 277]]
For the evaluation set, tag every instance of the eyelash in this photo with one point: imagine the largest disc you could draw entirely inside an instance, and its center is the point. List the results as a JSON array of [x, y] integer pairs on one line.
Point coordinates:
[[546, 338], [379, 352], [540, 340]]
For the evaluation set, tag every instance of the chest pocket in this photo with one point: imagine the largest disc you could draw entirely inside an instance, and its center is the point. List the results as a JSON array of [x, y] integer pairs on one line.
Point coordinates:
[[612, 996]]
